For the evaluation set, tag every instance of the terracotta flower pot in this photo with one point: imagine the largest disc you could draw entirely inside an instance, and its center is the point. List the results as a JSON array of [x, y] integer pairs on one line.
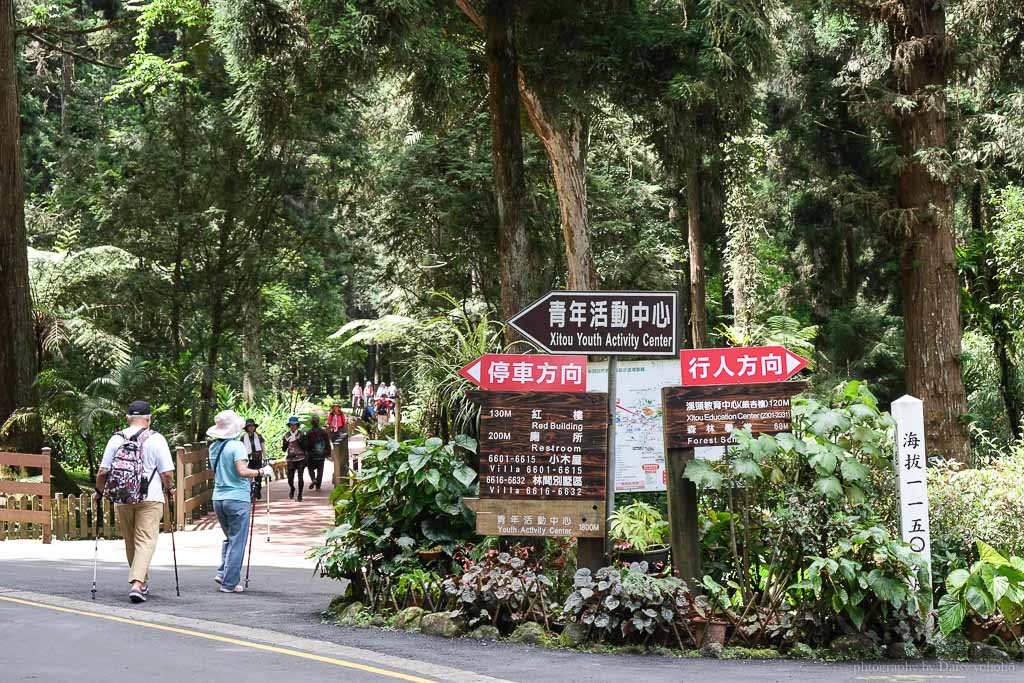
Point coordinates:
[[431, 555], [715, 631]]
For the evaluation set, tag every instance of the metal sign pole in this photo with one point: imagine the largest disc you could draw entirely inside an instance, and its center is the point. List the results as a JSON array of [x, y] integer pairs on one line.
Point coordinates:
[[613, 366]]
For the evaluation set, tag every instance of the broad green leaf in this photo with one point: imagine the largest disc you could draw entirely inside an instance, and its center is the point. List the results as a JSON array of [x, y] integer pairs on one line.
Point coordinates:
[[465, 475], [747, 468], [433, 443], [990, 555], [703, 475], [827, 421], [951, 614], [854, 470], [434, 477], [824, 462], [829, 487], [418, 458], [787, 441], [979, 599], [466, 442], [956, 580], [855, 494]]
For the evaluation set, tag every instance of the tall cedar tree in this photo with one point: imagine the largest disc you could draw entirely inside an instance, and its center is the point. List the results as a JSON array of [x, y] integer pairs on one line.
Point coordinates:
[[921, 62], [17, 355]]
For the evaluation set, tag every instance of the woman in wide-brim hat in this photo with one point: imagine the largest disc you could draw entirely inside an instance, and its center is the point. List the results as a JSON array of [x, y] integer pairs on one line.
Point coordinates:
[[232, 496]]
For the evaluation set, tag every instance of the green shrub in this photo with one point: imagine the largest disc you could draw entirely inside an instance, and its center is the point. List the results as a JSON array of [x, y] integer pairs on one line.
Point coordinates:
[[991, 591], [407, 495], [865, 585], [986, 504], [500, 589]]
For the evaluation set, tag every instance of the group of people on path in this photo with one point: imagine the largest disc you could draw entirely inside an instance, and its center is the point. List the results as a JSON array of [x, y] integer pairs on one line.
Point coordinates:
[[136, 475], [376, 403]]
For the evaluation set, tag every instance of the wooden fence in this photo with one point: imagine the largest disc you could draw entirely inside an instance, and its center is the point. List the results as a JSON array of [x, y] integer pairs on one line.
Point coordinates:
[[27, 505], [194, 481], [32, 513]]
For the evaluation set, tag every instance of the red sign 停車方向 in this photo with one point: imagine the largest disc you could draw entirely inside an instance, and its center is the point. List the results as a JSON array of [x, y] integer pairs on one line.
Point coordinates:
[[528, 372], [750, 365]]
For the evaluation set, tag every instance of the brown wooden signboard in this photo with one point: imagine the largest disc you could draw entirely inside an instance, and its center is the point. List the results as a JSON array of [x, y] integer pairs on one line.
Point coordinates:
[[707, 415], [580, 518], [543, 463], [542, 445]]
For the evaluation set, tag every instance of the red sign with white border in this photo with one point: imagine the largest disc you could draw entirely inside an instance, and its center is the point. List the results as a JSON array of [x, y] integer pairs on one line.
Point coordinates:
[[744, 365], [528, 372]]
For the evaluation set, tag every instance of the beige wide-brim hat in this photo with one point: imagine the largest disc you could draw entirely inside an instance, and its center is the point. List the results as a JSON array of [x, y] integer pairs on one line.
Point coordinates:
[[228, 425]]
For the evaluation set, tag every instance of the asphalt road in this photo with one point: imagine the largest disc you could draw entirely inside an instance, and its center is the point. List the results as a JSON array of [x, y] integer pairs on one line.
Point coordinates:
[[282, 609]]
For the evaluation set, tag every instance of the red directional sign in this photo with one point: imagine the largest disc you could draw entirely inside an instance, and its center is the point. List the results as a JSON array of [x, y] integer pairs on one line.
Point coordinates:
[[750, 365], [525, 372]]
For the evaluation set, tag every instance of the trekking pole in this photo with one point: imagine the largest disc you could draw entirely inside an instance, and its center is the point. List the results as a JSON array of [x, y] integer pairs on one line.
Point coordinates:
[[96, 545], [252, 523], [270, 480], [174, 549]]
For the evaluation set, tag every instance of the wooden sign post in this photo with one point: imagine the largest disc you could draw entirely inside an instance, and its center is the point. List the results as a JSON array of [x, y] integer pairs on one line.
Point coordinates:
[[706, 416], [542, 463]]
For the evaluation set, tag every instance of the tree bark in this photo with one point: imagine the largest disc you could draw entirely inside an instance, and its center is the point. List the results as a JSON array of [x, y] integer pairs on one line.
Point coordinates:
[[17, 342], [992, 304], [252, 356], [507, 155], [566, 147], [931, 302], [698, 293]]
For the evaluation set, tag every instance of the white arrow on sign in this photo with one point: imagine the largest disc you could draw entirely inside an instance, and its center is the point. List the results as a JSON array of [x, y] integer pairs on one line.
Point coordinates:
[[792, 362], [474, 371]]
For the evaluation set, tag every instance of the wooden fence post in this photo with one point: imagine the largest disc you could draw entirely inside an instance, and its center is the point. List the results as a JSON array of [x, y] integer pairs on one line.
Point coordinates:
[[682, 514]]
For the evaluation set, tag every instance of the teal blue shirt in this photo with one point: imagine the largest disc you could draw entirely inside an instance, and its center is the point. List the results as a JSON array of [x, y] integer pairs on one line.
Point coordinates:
[[227, 484]]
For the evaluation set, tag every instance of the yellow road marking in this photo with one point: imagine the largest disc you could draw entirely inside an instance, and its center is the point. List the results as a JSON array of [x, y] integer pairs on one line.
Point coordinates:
[[225, 639]]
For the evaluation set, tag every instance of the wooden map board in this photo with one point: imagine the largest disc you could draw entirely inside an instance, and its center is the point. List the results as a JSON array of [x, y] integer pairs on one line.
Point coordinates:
[[542, 455], [707, 415]]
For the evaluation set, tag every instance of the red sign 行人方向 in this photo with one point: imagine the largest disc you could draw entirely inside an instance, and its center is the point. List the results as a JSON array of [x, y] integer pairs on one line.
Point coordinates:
[[750, 365], [528, 372]]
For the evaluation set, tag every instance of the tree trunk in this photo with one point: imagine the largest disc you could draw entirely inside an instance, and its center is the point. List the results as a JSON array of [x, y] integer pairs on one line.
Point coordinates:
[[931, 302], [507, 155], [566, 147], [992, 303], [252, 356], [698, 294], [17, 342]]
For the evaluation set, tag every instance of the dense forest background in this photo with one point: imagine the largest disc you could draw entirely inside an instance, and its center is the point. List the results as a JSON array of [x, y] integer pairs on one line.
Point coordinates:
[[209, 191]]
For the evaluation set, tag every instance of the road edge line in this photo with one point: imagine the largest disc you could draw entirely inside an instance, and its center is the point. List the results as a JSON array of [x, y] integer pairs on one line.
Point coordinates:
[[272, 641]]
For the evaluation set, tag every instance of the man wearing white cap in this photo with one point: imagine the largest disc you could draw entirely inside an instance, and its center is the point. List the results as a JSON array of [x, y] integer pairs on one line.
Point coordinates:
[[135, 472], [232, 495]]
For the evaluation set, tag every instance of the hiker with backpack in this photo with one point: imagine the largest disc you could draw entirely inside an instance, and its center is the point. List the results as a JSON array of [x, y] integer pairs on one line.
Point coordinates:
[[232, 495], [318, 449], [293, 446], [256, 448], [135, 474]]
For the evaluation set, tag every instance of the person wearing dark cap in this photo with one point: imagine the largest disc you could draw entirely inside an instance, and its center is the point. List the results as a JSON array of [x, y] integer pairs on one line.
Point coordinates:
[[293, 445], [318, 449], [135, 473], [256, 449]]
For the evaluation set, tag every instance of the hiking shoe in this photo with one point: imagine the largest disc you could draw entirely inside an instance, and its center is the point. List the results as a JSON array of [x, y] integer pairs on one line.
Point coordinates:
[[300, 498], [311, 486], [218, 579], [236, 589], [291, 493], [136, 596], [145, 589]]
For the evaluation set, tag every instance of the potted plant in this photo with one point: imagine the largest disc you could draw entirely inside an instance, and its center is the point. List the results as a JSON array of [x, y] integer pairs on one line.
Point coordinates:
[[640, 534], [430, 554]]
